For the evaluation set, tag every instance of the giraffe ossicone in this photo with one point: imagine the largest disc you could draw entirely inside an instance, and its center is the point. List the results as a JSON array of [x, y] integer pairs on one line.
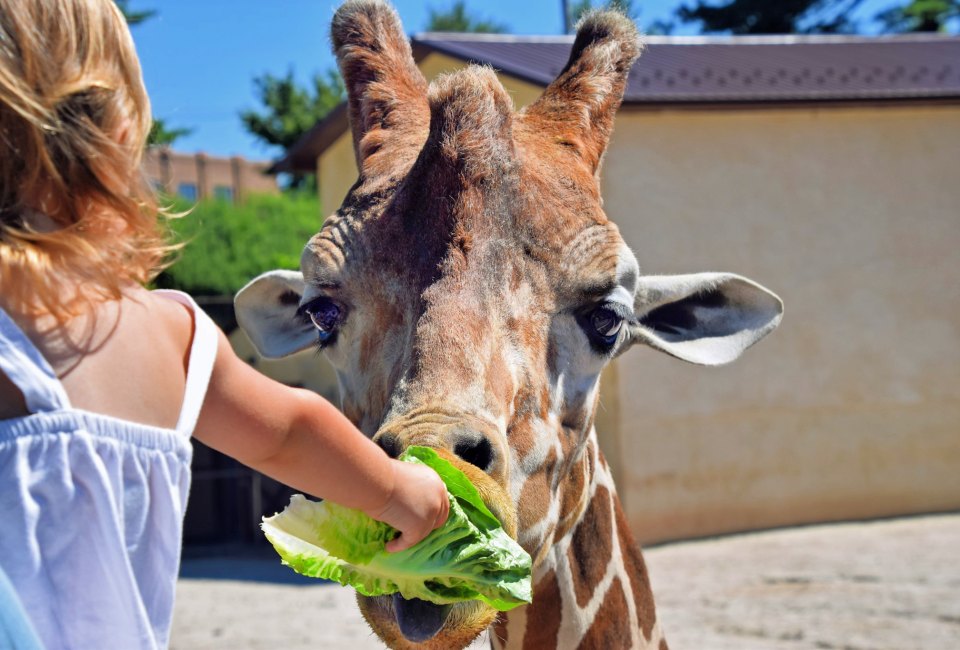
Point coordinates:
[[479, 290]]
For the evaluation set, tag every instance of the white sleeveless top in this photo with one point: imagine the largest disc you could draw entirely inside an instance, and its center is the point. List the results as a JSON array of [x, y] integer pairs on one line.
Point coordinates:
[[92, 506]]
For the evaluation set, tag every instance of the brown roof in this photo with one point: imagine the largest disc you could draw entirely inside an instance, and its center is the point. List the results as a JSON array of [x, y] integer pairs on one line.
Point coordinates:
[[727, 70]]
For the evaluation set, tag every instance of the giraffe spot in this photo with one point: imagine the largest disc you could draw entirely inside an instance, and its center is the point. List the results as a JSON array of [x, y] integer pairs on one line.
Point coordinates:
[[525, 404], [386, 317], [591, 453], [462, 240], [545, 548], [535, 498], [636, 568], [368, 345], [543, 616], [572, 496], [611, 625], [520, 439], [570, 439], [500, 629], [499, 382], [663, 644], [592, 546], [544, 402], [516, 277]]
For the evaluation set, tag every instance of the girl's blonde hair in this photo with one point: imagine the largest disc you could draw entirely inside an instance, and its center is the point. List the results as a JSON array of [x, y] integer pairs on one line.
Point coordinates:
[[74, 119]]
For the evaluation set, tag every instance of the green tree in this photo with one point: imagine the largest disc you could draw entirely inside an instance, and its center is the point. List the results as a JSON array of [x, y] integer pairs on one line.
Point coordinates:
[[162, 135], [456, 19], [920, 16], [226, 244], [580, 7], [134, 17], [769, 17], [290, 110]]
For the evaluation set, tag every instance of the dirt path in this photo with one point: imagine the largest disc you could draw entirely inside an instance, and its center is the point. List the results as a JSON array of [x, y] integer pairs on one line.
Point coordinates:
[[890, 585]]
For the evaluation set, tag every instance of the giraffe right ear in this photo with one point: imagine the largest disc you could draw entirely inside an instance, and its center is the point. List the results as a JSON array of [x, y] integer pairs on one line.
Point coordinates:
[[578, 108], [386, 92], [703, 318], [267, 311]]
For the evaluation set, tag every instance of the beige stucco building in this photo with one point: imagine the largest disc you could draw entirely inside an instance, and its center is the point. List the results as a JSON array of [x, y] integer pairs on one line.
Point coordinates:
[[827, 169]]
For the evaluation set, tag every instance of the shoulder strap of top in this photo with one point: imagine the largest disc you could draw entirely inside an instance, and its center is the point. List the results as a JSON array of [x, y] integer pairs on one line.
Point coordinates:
[[22, 363], [203, 352]]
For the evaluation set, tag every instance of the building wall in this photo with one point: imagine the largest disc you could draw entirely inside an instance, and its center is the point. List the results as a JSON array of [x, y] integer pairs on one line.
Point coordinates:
[[851, 409], [199, 176], [336, 173]]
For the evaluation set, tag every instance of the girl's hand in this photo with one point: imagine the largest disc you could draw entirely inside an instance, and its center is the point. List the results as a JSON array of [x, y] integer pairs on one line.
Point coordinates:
[[417, 505]]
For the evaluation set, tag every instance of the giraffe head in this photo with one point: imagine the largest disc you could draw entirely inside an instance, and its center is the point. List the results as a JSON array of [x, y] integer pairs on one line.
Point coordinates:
[[470, 289]]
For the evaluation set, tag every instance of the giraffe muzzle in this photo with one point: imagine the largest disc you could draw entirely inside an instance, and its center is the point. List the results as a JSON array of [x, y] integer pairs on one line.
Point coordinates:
[[471, 440], [417, 619]]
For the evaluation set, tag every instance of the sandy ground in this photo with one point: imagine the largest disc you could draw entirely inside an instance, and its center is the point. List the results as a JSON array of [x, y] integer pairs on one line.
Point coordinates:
[[888, 585]]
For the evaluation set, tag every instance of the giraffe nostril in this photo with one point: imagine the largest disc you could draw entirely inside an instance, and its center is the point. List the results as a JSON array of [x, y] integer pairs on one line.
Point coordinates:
[[390, 444], [476, 451]]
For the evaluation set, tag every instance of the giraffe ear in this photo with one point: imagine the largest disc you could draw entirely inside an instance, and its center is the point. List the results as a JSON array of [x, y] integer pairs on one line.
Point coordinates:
[[386, 92], [267, 311], [578, 108], [705, 318]]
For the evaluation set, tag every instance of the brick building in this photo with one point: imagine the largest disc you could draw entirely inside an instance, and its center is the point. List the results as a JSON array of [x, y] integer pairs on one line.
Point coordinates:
[[199, 176]]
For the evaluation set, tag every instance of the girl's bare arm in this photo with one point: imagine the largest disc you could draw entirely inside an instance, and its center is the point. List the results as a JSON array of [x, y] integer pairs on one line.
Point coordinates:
[[300, 439]]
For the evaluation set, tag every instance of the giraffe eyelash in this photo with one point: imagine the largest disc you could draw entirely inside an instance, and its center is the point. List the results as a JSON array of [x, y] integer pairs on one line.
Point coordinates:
[[602, 324], [326, 316]]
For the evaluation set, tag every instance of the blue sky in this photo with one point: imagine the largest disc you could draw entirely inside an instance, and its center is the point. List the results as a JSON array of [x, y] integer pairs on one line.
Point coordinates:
[[199, 57]]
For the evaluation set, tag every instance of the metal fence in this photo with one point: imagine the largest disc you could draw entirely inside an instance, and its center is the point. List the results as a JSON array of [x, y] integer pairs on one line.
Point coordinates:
[[227, 501]]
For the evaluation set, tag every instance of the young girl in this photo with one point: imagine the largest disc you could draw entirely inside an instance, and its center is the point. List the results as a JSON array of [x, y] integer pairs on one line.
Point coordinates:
[[102, 383]]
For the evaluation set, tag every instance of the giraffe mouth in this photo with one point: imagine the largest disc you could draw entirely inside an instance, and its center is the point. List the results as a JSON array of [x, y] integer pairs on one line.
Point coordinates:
[[419, 620], [419, 625]]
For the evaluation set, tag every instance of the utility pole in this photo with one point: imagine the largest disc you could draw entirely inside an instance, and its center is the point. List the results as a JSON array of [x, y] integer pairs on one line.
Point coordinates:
[[565, 4]]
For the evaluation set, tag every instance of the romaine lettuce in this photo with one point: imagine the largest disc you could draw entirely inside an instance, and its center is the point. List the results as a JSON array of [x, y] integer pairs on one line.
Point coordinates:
[[470, 557]]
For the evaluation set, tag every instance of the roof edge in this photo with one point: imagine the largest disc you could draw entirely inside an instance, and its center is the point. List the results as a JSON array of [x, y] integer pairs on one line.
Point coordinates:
[[730, 39], [302, 156]]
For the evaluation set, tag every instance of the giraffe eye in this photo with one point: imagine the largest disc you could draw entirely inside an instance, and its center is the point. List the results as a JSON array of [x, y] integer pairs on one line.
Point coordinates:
[[606, 322], [326, 316], [602, 325]]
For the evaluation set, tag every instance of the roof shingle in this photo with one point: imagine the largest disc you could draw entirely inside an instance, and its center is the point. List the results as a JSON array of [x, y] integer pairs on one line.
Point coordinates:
[[730, 70], [740, 69]]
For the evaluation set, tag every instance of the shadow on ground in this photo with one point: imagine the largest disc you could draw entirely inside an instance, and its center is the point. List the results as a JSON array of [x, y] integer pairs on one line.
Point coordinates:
[[882, 585], [247, 564]]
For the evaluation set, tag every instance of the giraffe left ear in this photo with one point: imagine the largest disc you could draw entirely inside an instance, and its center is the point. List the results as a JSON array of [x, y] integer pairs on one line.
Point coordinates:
[[704, 318], [386, 92], [267, 311]]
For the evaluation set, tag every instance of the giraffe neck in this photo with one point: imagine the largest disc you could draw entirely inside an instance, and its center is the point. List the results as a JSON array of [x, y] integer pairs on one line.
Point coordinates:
[[592, 591]]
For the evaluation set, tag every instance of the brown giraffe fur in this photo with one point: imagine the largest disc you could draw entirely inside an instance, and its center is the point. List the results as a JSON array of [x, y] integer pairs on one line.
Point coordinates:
[[468, 261]]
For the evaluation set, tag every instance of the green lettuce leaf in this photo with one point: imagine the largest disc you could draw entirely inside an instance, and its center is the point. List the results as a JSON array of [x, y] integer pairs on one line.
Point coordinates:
[[470, 557]]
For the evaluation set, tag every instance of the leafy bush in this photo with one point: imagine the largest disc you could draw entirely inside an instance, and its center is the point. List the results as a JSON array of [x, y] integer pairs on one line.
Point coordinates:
[[228, 244]]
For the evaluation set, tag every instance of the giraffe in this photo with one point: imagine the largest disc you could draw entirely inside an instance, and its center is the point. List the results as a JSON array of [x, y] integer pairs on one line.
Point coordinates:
[[469, 291]]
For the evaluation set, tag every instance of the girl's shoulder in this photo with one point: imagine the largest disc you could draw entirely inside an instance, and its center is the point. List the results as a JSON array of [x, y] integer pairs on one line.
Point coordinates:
[[136, 365], [158, 315], [166, 309], [127, 358]]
